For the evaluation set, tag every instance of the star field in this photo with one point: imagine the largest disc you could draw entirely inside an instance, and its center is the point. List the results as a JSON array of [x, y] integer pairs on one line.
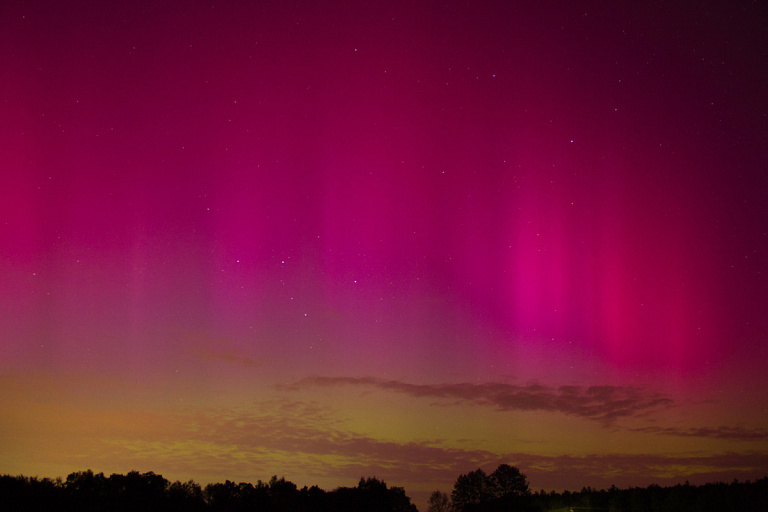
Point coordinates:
[[403, 240]]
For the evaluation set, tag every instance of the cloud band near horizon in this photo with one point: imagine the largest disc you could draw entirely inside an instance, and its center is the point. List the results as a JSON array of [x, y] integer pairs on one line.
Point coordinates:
[[604, 404]]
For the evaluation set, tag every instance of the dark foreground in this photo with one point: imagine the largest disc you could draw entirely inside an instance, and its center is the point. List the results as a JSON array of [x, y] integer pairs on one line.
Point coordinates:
[[148, 492], [86, 491]]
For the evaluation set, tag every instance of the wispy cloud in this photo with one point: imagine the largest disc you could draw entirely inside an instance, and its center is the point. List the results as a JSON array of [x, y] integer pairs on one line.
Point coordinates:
[[312, 444], [290, 438], [600, 403], [297, 438], [722, 432], [625, 470], [207, 347], [311, 430]]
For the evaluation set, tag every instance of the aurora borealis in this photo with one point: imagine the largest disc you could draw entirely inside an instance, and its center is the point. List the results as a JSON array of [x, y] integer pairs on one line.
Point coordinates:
[[328, 240]]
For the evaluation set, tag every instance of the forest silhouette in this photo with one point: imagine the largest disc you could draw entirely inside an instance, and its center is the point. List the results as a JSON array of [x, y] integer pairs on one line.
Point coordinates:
[[506, 489]]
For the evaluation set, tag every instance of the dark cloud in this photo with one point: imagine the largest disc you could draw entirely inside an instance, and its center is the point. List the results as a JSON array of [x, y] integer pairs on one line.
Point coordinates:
[[207, 348], [304, 438], [601, 471], [306, 428], [722, 432], [600, 403]]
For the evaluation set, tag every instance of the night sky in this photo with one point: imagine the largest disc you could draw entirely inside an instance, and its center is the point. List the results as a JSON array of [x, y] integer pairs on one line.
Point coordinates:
[[328, 240]]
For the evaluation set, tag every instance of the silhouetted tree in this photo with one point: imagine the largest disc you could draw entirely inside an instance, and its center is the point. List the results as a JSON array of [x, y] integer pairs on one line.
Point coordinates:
[[283, 494], [508, 480], [88, 492], [398, 501], [504, 489], [439, 502], [138, 491], [470, 489], [185, 497], [22, 494], [370, 495], [314, 499], [220, 497]]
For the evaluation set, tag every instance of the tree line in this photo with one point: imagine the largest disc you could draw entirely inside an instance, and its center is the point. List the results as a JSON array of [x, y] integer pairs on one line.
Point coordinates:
[[507, 489], [86, 491]]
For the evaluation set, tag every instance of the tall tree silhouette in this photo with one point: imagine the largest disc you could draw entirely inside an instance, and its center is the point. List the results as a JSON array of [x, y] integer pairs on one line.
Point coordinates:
[[89, 491], [508, 480], [470, 489], [505, 487], [439, 502], [138, 491]]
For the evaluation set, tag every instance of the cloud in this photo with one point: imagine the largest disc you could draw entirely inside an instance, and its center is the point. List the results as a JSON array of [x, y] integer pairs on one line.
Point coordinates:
[[207, 347], [299, 438], [638, 470], [285, 438], [310, 444], [292, 428], [600, 403], [722, 432]]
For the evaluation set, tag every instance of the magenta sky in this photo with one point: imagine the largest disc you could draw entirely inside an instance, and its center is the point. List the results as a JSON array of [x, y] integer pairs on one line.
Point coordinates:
[[333, 239]]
